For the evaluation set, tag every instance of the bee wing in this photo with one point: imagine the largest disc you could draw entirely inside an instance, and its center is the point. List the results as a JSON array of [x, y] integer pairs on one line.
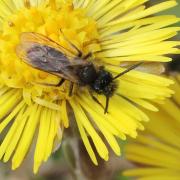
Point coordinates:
[[33, 37], [48, 58]]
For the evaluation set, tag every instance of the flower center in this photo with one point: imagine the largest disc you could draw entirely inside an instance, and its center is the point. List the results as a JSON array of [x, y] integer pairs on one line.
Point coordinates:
[[47, 19]]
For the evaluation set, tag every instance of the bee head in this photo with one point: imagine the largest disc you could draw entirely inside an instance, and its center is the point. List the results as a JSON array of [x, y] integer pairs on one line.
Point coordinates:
[[104, 83]]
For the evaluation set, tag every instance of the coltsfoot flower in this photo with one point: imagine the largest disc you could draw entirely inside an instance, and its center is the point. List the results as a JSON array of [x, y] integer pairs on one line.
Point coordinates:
[[157, 150], [116, 33]]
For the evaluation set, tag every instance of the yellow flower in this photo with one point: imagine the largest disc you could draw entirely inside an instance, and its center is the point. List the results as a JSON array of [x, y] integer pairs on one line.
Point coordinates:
[[157, 150], [115, 32]]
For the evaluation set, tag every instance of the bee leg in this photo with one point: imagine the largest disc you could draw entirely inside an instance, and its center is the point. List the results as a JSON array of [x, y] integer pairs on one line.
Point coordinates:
[[87, 56], [95, 99], [55, 85], [60, 82], [107, 105], [71, 89], [72, 45]]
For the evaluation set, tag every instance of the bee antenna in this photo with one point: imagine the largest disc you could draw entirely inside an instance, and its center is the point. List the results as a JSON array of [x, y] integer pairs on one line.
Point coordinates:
[[107, 105], [127, 70]]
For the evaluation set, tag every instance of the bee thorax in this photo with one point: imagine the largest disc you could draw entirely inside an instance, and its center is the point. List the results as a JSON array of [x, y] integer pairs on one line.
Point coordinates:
[[87, 74]]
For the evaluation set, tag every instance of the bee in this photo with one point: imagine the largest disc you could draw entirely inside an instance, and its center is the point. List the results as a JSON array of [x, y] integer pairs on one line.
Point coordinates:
[[174, 65], [43, 53]]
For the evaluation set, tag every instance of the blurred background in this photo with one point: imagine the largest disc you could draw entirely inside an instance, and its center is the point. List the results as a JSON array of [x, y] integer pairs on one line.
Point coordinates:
[[71, 162]]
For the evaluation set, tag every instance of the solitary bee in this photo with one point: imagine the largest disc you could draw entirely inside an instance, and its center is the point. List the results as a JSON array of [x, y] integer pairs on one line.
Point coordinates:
[[174, 65], [44, 54]]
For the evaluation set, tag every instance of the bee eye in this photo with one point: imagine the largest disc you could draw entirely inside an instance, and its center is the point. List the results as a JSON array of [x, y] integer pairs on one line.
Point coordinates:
[[102, 82], [104, 78]]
